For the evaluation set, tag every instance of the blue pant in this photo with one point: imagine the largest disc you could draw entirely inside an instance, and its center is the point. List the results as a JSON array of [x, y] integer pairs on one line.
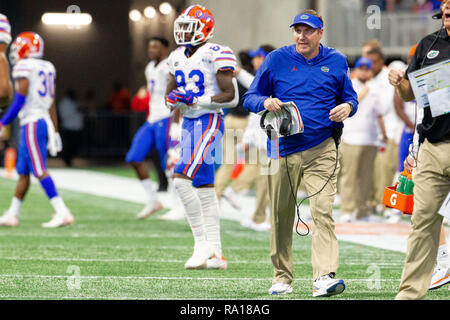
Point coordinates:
[[403, 149], [150, 136], [200, 137], [32, 155]]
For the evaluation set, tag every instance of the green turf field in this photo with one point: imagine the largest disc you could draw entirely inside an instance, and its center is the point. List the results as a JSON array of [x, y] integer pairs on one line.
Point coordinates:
[[119, 257]]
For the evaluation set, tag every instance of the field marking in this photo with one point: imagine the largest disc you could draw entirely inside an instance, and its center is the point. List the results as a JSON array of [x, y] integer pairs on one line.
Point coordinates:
[[38, 276], [96, 235], [133, 260]]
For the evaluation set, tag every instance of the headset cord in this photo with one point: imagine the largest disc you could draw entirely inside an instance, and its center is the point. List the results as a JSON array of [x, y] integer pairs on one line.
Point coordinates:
[[308, 197]]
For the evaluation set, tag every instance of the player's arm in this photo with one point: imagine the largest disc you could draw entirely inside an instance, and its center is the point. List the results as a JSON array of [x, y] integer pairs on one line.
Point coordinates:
[[54, 116], [22, 86], [6, 89], [225, 82]]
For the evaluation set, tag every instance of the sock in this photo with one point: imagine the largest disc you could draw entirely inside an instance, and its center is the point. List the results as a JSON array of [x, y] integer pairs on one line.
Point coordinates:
[[58, 204], [14, 208], [192, 206], [148, 187], [443, 258], [49, 187], [211, 214]]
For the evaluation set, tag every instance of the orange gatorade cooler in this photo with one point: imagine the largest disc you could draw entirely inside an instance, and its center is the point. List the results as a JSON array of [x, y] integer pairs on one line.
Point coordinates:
[[398, 200]]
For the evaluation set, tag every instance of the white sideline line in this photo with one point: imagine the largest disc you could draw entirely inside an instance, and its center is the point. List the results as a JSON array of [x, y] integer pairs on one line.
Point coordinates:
[[37, 276], [96, 235], [351, 263]]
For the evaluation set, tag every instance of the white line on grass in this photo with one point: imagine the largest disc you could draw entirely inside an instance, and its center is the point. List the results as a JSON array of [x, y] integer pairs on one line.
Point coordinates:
[[133, 260], [38, 276]]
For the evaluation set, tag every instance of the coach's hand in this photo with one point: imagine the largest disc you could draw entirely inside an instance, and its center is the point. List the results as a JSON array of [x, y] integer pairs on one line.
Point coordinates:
[[396, 76], [340, 113], [409, 163], [272, 104]]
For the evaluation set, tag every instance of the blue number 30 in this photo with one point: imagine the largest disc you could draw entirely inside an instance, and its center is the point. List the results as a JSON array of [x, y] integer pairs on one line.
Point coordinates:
[[48, 84], [180, 78]]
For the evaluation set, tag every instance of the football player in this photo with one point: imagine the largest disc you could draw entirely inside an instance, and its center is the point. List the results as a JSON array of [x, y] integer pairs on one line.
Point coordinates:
[[154, 134], [34, 102], [201, 84], [6, 90]]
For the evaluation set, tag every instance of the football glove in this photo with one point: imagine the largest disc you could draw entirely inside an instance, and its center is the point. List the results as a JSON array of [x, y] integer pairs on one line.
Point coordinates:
[[177, 96], [58, 142]]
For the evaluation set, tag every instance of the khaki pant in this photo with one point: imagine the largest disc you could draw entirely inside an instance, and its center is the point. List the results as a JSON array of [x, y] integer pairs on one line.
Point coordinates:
[[357, 179], [386, 165], [262, 196], [247, 177], [229, 158], [431, 185], [313, 166]]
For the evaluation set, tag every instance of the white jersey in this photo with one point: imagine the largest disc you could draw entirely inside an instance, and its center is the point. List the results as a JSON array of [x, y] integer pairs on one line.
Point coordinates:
[[362, 128], [41, 75], [198, 72], [157, 77]]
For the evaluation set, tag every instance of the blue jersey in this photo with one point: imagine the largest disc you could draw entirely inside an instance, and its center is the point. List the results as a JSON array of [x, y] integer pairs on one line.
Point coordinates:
[[316, 86]]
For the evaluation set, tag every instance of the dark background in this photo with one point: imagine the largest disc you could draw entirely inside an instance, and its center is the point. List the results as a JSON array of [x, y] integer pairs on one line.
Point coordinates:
[[93, 57]]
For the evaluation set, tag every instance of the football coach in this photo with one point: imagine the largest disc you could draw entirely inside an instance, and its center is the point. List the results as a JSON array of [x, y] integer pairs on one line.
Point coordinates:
[[316, 79], [431, 171]]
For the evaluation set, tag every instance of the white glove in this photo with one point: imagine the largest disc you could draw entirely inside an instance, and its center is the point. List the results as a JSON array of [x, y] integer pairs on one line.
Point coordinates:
[[2, 130], [5, 37], [58, 142]]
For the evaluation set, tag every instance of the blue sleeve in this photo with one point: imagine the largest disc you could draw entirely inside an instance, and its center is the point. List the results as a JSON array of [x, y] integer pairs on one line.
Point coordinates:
[[14, 109], [260, 89], [347, 93]]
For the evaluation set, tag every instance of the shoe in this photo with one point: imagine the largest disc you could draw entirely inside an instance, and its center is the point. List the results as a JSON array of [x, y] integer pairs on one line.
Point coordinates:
[[379, 209], [280, 288], [346, 218], [247, 223], [217, 263], [174, 214], [441, 276], [326, 286], [230, 195], [149, 209], [264, 226], [394, 218], [59, 220], [198, 260], [9, 220]]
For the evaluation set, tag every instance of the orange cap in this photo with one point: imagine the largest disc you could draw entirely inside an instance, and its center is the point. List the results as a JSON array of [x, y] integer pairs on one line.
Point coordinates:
[[412, 50]]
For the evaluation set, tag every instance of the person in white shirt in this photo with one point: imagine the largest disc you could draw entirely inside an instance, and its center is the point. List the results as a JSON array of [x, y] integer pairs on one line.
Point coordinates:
[[386, 161], [154, 134], [359, 147], [34, 103]]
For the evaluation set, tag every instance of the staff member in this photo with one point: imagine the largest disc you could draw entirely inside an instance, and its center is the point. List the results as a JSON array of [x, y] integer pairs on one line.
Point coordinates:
[[316, 79], [431, 176]]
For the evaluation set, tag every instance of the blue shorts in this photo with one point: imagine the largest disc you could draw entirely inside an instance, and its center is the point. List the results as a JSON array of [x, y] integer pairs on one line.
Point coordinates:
[[200, 137], [32, 155], [150, 136], [403, 149]]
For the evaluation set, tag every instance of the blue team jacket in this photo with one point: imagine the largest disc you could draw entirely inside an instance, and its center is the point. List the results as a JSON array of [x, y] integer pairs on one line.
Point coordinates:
[[316, 86]]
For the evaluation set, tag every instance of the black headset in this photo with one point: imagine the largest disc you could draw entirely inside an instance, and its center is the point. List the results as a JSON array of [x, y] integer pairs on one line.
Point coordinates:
[[285, 126]]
